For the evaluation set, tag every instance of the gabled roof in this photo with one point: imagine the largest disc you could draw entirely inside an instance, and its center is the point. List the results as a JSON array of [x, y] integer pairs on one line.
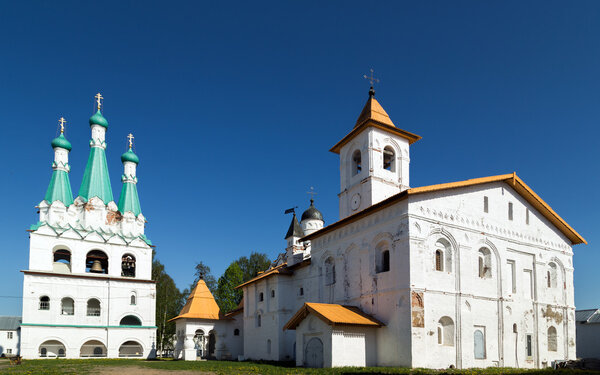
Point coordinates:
[[10, 323], [587, 316], [333, 314], [282, 269], [373, 115], [200, 304], [511, 179]]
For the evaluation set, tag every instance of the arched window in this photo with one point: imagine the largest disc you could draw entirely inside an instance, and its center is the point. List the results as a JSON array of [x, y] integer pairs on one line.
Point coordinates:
[[272, 293], [130, 320], [439, 260], [484, 263], [446, 331], [269, 346], [383, 258], [236, 332], [93, 307], [552, 275], [261, 297], [52, 348], [443, 255], [389, 158], [67, 306], [44, 303], [329, 271], [128, 265], [552, 339], [131, 349], [96, 261], [92, 348], [258, 320], [479, 344], [133, 299], [356, 162], [62, 261]]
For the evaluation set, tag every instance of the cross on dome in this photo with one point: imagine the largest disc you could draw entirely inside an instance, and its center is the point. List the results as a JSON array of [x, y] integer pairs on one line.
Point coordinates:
[[62, 122], [130, 138], [371, 78], [98, 97], [312, 193]]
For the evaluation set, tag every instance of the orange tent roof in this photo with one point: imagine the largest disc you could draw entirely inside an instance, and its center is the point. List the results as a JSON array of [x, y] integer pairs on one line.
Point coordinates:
[[333, 314], [200, 304], [511, 179], [373, 115]]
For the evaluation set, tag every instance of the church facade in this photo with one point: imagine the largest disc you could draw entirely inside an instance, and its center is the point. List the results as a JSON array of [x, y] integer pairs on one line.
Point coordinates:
[[88, 290], [473, 273]]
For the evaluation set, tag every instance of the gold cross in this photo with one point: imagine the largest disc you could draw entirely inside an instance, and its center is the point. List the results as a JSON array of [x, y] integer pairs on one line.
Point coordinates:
[[371, 78], [130, 137], [98, 97], [62, 123]]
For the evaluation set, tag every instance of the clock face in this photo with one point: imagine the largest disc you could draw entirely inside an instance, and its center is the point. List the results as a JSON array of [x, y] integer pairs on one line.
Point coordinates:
[[355, 202]]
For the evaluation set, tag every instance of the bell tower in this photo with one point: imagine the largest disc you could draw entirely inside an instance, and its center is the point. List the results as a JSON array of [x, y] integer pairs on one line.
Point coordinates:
[[374, 159]]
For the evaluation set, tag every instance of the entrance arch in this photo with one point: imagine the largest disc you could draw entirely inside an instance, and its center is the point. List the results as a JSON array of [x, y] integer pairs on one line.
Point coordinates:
[[212, 341], [92, 348], [200, 343], [131, 349], [313, 354], [52, 348]]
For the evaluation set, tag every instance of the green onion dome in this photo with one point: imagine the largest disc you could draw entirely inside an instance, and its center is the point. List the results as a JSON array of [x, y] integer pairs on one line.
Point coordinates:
[[130, 156], [98, 119], [61, 142]]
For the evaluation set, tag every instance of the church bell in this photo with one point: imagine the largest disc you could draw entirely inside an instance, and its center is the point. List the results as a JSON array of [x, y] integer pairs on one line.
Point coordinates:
[[96, 267]]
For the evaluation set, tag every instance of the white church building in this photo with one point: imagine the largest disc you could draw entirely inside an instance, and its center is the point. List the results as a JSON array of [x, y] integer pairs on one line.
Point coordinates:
[[474, 273], [88, 290]]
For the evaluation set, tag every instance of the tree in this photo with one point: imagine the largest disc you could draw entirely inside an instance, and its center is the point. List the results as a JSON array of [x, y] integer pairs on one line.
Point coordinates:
[[251, 266], [169, 301], [203, 271], [226, 295]]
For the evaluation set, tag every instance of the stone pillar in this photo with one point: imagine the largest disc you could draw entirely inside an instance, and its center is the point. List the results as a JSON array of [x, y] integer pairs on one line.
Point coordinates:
[[189, 349]]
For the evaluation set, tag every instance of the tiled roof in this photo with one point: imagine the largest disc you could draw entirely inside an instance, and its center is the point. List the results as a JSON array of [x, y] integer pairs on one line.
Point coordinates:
[[511, 179], [200, 304], [333, 314], [10, 323]]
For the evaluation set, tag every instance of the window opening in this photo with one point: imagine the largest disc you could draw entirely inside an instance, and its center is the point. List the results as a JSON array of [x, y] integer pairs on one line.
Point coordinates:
[[93, 307], [439, 265], [96, 262], [132, 300], [236, 332], [258, 320], [529, 346], [356, 163], [485, 205], [552, 341], [261, 297], [510, 211], [388, 158], [485, 263], [130, 320], [527, 216], [44, 303], [62, 261], [67, 306], [272, 293], [128, 265]]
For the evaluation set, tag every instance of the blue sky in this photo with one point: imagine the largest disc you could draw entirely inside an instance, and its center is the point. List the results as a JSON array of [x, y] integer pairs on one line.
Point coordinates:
[[234, 106]]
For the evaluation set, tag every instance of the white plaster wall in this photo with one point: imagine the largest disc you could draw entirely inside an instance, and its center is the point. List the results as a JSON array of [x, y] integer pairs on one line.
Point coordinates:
[[306, 330], [13, 343], [74, 338], [588, 340]]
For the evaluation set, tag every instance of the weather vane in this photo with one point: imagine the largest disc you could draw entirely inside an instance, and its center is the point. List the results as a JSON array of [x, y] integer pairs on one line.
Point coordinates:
[[98, 98], [130, 137], [62, 123]]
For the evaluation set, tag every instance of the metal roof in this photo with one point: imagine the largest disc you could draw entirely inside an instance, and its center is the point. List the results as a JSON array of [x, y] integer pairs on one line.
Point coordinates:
[[10, 323], [587, 316]]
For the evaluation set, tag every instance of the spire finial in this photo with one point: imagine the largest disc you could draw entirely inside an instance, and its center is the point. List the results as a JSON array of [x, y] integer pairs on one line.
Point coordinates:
[[62, 122], [98, 97], [130, 137], [312, 194], [372, 80]]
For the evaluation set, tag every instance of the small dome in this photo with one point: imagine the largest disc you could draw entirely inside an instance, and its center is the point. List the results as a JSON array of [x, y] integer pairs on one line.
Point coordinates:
[[61, 142], [130, 156], [312, 213], [98, 119]]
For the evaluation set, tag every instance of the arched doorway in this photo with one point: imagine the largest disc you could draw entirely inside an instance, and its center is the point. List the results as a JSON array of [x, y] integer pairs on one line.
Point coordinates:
[[313, 355], [212, 340], [93, 348], [52, 348], [131, 349], [200, 343]]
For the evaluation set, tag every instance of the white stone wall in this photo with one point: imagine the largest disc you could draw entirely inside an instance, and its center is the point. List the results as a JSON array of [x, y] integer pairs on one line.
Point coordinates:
[[228, 345], [12, 344], [588, 340], [380, 183], [313, 327]]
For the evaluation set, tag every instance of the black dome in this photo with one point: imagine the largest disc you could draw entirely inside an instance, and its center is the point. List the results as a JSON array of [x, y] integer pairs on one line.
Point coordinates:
[[312, 213]]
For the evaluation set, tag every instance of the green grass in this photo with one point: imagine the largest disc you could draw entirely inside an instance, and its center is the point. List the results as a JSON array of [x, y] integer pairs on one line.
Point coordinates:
[[91, 366]]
